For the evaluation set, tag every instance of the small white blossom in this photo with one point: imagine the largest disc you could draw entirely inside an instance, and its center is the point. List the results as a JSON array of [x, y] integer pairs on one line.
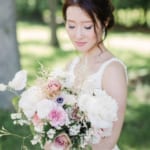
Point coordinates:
[[74, 130], [23, 122], [19, 81], [36, 139], [39, 128], [16, 116], [3, 87], [51, 133]]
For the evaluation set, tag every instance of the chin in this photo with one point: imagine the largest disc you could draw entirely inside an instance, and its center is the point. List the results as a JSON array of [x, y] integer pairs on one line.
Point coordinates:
[[81, 49]]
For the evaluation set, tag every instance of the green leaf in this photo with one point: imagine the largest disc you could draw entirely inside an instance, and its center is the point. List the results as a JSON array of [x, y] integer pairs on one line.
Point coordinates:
[[15, 101]]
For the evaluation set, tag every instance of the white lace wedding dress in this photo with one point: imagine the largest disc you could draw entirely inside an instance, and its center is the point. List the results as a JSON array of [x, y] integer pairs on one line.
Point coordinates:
[[94, 81]]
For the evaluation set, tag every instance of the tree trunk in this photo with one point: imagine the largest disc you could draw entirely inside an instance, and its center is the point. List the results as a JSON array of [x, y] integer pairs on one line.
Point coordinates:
[[9, 55], [37, 14], [145, 24], [53, 24]]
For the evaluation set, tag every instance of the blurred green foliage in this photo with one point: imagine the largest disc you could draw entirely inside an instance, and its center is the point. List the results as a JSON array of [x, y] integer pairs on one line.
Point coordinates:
[[39, 10]]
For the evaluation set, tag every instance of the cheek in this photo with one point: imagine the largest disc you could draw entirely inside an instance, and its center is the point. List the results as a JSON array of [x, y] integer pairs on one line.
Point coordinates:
[[70, 33]]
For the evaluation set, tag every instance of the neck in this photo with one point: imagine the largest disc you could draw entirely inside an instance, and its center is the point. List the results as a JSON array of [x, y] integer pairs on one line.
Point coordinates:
[[92, 54]]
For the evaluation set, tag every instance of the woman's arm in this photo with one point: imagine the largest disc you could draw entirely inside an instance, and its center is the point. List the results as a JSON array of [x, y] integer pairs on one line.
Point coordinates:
[[115, 84]]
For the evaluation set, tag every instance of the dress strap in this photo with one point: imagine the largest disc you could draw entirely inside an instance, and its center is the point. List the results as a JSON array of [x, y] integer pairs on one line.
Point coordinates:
[[108, 62]]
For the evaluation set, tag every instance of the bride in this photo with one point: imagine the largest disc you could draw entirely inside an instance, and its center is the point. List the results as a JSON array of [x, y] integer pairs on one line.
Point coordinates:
[[87, 22]]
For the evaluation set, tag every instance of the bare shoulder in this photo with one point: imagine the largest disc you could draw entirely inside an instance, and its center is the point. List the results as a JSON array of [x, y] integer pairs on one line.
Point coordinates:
[[114, 80], [115, 67], [115, 70]]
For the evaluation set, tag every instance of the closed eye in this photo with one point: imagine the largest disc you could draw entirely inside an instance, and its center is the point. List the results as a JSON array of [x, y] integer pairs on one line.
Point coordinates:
[[71, 27], [88, 28]]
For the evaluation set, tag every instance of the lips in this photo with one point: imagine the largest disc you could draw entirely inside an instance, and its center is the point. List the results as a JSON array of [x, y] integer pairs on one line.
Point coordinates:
[[80, 43]]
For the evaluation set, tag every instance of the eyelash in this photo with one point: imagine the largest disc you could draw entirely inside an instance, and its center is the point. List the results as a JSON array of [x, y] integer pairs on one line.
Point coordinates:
[[87, 28], [71, 27]]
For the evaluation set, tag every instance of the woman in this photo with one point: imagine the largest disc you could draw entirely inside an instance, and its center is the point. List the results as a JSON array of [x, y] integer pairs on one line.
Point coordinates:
[[87, 22]]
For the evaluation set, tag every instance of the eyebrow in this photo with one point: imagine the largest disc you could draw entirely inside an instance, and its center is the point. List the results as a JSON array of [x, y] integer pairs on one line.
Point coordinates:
[[86, 21]]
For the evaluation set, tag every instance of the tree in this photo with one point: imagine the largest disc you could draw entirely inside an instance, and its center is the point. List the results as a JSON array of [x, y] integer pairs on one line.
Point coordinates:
[[124, 4], [53, 24], [9, 55]]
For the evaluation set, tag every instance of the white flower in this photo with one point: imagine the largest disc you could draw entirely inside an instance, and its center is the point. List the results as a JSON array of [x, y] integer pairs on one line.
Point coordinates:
[[39, 128], [74, 130], [3, 87], [69, 99], [19, 81], [23, 122], [109, 105], [44, 107], [84, 101], [36, 139], [29, 100], [16, 116], [65, 77], [96, 137], [100, 108], [51, 133]]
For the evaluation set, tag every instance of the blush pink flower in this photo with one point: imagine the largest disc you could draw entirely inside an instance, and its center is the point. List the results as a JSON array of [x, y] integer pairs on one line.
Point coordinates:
[[36, 120], [57, 116], [62, 141], [53, 88]]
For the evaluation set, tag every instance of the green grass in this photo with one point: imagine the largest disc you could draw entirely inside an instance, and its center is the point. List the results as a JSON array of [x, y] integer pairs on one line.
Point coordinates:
[[132, 47]]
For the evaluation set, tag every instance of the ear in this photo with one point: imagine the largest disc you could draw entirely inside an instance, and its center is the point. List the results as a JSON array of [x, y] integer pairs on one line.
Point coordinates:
[[107, 21]]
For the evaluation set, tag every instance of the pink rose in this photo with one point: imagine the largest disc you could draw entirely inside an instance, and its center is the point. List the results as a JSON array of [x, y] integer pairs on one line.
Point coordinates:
[[62, 141], [53, 88], [57, 116]]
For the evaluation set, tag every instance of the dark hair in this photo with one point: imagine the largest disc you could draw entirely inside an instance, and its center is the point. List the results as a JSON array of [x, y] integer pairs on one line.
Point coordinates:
[[103, 10]]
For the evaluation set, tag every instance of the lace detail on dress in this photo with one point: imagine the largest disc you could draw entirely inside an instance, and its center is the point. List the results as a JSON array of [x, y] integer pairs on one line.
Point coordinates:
[[94, 81]]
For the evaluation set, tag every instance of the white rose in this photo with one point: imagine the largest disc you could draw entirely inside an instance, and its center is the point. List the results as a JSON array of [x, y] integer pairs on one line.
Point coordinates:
[[3, 87], [69, 99], [29, 100], [44, 107], [109, 106], [101, 108], [19, 81], [84, 101], [97, 122]]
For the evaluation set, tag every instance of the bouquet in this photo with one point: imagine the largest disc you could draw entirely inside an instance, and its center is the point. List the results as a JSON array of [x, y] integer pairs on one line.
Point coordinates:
[[60, 115]]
